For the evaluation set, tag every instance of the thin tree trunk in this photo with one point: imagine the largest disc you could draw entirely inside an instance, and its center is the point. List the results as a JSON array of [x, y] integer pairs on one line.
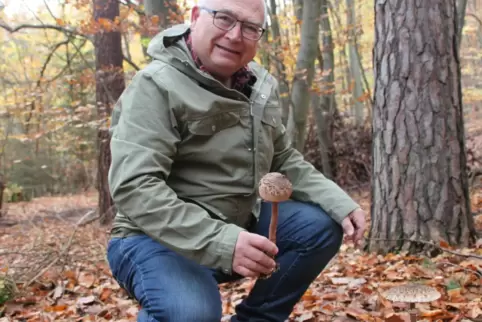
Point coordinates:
[[346, 79], [280, 67], [159, 15], [357, 91], [419, 179], [461, 8], [305, 70], [109, 86]]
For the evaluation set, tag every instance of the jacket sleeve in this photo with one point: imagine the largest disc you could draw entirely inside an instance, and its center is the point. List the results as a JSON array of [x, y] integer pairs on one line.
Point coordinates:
[[309, 184], [143, 146]]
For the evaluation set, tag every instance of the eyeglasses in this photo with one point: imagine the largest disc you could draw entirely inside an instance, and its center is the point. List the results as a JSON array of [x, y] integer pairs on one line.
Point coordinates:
[[225, 21]]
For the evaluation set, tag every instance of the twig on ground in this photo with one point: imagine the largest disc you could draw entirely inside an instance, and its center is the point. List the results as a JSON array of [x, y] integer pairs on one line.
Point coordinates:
[[431, 244], [62, 253], [476, 272]]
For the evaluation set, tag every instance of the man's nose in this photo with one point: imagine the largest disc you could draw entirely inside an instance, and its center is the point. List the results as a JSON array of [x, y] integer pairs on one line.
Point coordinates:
[[235, 33]]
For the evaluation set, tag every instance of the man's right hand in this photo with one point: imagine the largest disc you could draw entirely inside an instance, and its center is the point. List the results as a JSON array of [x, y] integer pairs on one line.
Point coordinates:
[[250, 255]]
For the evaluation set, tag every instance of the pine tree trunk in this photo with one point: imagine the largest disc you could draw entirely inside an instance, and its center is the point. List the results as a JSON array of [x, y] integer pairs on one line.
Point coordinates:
[[419, 179], [109, 86]]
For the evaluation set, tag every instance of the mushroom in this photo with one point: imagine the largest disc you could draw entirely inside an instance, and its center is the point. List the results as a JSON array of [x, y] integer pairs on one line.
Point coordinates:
[[274, 187], [412, 293]]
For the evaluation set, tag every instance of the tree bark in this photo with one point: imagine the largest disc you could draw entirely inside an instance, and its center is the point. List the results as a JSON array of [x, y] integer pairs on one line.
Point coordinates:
[[167, 12], [327, 109], [109, 86], [419, 178], [354, 66], [304, 70], [278, 61]]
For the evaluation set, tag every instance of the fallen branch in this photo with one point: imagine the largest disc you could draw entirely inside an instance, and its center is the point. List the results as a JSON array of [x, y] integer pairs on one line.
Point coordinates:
[[431, 244], [62, 253]]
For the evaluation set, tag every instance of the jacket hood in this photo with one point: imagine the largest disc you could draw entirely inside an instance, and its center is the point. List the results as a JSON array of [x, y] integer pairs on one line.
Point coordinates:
[[160, 45]]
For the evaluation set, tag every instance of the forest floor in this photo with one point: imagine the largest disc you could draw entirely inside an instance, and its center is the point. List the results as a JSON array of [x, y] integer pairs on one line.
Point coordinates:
[[54, 251], [57, 258]]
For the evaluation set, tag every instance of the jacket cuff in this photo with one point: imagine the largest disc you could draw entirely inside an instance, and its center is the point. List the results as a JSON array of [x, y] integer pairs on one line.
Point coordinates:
[[343, 210], [227, 247]]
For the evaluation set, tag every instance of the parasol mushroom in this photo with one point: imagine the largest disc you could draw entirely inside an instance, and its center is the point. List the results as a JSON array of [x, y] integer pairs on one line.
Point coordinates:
[[412, 293], [274, 187]]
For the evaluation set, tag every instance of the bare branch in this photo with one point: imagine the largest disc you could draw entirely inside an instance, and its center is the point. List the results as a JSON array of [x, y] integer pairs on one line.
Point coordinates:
[[131, 63], [52, 27], [430, 244]]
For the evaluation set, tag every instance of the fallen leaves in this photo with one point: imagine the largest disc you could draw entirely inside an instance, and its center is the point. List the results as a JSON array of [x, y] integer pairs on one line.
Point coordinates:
[[80, 287]]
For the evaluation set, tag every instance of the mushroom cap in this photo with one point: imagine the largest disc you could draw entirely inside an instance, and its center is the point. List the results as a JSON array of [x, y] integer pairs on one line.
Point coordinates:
[[412, 293], [275, 187]]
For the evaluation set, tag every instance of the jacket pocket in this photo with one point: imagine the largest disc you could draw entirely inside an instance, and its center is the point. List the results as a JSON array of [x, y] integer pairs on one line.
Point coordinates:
[[271, 118], [213, 124]]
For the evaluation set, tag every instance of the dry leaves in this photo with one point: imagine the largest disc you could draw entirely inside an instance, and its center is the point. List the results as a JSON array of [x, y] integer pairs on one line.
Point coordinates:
[[79, 287]]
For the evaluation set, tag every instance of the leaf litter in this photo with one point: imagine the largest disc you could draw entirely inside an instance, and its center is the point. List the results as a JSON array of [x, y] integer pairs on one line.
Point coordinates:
[[79, 285]]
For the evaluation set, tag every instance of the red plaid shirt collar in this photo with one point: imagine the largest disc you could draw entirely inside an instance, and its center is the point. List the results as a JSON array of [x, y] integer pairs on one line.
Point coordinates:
[[243, 79]]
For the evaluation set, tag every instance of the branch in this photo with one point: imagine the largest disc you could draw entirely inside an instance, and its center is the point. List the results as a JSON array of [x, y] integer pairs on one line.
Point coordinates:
[[431, 244], [63, 252], [29, 26], [475, 17], [131, 63]]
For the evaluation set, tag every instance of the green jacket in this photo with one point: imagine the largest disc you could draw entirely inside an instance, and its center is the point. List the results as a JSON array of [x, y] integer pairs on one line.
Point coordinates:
[[188, 153]]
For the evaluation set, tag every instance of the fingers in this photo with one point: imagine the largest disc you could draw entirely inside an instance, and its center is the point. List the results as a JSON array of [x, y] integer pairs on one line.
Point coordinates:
[[347, 225], [359, 220], [252, 255], [243, 271], [256, 267], [263, 244]]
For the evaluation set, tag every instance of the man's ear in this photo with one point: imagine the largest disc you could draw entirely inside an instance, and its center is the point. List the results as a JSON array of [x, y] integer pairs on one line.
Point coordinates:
[[194, 15]]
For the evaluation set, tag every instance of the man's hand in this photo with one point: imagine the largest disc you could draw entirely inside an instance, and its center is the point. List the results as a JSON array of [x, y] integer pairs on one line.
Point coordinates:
[[250, 255], [354, 225]]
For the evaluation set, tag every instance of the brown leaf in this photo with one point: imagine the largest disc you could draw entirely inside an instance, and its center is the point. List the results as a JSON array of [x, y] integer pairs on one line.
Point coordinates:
[[86, 279]]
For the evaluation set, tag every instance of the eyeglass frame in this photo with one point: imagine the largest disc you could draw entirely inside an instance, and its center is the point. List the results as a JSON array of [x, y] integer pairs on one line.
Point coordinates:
[[236, 20]]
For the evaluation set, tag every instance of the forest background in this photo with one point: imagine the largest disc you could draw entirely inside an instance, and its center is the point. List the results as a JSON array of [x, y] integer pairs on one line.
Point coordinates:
[[65, 62]]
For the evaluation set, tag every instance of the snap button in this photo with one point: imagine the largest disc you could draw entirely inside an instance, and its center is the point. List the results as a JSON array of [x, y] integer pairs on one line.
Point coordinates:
[[263, 96]]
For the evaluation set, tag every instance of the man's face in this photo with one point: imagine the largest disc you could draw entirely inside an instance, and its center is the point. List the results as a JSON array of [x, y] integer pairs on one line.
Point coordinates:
[[224, 52]]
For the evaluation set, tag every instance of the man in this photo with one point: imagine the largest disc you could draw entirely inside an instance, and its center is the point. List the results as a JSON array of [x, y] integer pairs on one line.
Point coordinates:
[[191, 137]]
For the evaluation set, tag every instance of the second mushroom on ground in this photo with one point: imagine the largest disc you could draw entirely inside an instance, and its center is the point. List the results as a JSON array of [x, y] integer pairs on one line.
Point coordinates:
[[412, 293], [274, 187]]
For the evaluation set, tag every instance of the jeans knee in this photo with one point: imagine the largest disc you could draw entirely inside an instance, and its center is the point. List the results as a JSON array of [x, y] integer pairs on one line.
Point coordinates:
[[326, 233], [183, 308]]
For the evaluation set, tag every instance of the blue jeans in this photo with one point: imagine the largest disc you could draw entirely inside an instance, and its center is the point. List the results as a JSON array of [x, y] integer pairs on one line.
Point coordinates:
[[171, 288]]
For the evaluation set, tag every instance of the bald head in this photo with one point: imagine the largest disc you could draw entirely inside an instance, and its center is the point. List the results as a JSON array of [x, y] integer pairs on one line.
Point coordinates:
[[208, 3]]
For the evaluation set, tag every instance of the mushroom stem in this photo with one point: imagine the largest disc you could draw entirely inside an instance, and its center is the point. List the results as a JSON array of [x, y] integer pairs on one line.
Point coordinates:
[[274, 222]]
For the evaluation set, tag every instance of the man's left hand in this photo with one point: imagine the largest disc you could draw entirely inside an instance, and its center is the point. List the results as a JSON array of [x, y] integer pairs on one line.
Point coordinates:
[[354, 225]]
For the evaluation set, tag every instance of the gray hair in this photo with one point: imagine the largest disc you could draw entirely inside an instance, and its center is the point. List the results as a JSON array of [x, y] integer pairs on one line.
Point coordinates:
[[205, 3]]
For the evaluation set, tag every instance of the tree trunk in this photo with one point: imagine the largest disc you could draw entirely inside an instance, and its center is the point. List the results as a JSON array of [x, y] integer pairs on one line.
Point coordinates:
[[304, 70], [278, 60], [159, 15], [327, 109], [354, 66], [461, 9], [109, 86], [419, 179]]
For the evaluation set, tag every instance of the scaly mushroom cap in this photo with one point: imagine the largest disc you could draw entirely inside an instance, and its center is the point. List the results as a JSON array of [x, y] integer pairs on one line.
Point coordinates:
[[275, 187], [412, 293]]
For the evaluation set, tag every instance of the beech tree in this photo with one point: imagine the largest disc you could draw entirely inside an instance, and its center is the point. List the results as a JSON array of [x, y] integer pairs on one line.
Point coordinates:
[[419, 176]]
